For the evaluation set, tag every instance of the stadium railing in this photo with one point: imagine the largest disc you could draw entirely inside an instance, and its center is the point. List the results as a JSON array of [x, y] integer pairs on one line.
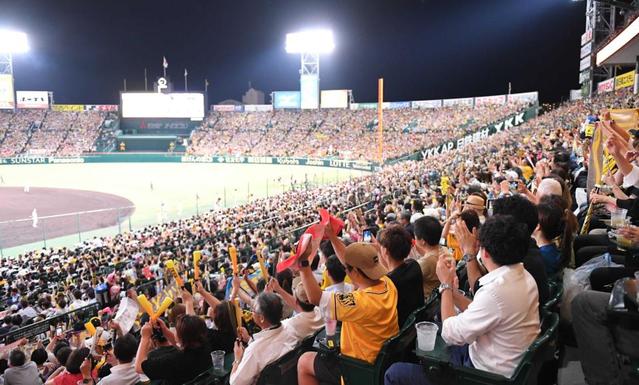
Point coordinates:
[[75, 319]]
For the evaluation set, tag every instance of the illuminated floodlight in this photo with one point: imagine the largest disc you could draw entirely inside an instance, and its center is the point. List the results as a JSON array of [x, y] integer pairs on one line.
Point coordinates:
[[13, 42], [310, 41]]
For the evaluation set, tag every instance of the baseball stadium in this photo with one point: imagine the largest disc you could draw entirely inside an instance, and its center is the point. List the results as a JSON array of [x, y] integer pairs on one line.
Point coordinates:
[[454, 203]]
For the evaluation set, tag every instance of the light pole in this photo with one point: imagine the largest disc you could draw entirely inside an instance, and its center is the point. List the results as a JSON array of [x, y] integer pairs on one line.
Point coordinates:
[[309, 44], [11, 42]]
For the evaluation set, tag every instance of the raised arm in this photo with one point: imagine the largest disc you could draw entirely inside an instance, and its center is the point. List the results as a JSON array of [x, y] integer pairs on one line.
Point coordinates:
[[238, 292], [275, 287], [311, 287], [208, 297], [338, 245]]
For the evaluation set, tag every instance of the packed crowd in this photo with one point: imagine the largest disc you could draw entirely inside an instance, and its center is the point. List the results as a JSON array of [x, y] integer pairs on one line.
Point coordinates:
[[347, 134], [480, 233], [40, 132]]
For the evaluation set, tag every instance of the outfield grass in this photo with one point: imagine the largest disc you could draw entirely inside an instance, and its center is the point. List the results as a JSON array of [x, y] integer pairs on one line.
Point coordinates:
[[165, 191]]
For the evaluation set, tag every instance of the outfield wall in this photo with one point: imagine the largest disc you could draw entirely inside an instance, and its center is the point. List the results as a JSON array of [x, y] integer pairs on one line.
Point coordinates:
[[180, 158]]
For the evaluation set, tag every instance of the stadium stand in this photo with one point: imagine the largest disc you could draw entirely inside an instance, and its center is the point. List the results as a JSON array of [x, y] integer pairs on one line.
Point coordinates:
[[40, 132], [344, 134], [506, 185]]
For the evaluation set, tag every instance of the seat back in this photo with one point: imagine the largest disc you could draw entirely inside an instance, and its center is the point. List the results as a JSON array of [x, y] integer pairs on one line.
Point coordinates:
[[204, 378], [355, 372], [282, 371], [540, 351], [556, 292]]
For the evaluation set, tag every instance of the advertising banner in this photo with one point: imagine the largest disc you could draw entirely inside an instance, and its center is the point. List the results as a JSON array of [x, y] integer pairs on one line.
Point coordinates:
[[167, 158], [503, 125], [286, 99], [584, 76], [368, 106], [458, 102], [258, 107], [101, 107], [338, 163], [7, 101], [394, 105], [310, 93], [524, 97], [585, 63], [32, 99], [334, 99], [625, 80], [575, 94], [159, 126], [68, 107], [426, 103], [586, 49], [606, 86], [586, 37], [494, 99], [158, 105], [227, 108]]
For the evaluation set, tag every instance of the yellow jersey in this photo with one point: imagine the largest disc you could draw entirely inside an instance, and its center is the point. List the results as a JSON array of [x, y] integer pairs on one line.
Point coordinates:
[[369, 318]]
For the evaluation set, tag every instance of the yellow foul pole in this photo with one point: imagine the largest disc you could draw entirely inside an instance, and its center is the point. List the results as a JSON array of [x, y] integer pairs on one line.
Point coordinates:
[[380, 119]]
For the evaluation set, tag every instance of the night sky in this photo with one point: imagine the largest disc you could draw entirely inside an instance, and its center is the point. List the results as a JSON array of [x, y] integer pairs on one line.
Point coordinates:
[[82, 49]]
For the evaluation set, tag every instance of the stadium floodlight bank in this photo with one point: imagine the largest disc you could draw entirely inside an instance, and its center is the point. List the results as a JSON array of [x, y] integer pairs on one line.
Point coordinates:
[[310, 44], [310, 41], [13, 42]]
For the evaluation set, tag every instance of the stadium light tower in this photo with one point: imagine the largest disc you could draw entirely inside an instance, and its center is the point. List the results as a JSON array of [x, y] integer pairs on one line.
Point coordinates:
[[310, 44], [11, 42]]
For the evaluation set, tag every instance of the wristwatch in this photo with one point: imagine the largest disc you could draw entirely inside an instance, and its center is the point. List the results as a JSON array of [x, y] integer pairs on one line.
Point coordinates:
[[443, 287], [468, 258], [304, 263]]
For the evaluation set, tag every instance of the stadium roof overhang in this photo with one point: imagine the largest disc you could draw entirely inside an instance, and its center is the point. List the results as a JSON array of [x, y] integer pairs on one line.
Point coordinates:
[[623, 49]]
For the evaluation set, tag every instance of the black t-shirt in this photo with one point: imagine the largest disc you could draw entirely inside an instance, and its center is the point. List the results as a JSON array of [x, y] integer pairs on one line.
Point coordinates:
[[175, 366], [410, 290], [221, 340]]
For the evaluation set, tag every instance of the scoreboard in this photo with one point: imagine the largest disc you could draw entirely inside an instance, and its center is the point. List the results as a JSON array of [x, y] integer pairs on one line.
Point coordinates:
[[150, 113]]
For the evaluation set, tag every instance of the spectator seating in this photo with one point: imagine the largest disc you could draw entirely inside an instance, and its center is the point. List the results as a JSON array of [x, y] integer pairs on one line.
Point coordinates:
[[284, 370], [526, 372]]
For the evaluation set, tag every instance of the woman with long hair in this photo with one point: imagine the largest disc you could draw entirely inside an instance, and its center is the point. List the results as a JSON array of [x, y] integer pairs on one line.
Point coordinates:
[[555, 233]]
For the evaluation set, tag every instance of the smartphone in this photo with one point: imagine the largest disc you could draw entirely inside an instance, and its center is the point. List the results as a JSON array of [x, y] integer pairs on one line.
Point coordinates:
[[58, 331], [209, 323], [368, 236]]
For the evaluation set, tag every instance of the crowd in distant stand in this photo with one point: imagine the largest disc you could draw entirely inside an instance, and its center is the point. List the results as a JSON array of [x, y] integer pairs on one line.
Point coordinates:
[[346, 134], [528, 174], [43, 132]]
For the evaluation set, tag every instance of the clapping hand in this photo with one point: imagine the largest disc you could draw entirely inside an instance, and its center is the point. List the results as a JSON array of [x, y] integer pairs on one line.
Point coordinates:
[[445, 269], [467, 241]]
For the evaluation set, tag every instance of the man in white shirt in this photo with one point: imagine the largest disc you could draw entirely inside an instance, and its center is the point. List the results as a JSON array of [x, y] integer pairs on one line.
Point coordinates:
[[309, 318], [77, 300], [266, 346], [27, 311], [124, 372], [495, 329]]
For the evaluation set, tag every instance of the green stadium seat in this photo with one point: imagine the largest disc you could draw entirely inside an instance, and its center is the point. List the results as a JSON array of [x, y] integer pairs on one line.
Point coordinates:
[[439, 370], [556, 292]]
